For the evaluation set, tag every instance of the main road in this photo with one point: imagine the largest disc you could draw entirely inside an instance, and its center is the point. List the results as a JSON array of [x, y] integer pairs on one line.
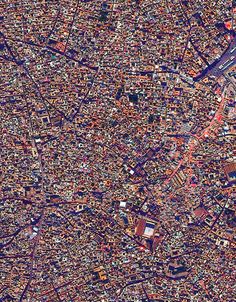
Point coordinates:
[[222, 64]]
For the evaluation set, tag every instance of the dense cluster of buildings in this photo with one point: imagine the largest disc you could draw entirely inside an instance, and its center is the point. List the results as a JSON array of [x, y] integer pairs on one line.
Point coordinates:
[[118, 162]]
